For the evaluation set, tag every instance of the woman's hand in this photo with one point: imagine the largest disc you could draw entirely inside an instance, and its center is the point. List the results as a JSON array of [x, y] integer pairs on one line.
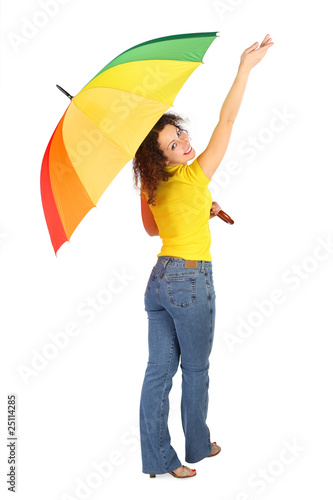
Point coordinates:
[[253, 54], [215, 209]]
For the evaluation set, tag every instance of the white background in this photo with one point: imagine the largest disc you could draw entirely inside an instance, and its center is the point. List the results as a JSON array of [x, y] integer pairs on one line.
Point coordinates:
[[270, 383]]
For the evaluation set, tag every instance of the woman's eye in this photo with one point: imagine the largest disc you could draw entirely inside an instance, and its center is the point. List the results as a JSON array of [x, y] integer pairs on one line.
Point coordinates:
[[174, 144]]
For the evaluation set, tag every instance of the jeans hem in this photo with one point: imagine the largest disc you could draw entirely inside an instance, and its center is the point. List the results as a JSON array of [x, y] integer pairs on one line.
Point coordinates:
[[161, 472], [154, 472], [199, 459]]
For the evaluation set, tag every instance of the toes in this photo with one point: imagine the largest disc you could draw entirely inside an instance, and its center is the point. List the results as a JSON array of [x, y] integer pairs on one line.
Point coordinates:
[[191, 472]]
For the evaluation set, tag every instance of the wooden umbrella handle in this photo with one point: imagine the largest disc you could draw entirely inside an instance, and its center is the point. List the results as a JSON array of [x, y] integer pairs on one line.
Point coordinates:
[[225, 217]]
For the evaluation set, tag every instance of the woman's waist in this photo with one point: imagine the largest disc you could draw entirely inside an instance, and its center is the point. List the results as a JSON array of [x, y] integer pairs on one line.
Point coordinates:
[[179, 262]]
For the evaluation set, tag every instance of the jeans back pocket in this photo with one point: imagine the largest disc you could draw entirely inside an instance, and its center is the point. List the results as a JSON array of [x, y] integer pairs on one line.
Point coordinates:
[[181, 290]]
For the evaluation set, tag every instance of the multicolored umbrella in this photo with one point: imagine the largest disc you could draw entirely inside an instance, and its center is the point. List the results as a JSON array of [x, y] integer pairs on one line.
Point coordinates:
[[106, 122]]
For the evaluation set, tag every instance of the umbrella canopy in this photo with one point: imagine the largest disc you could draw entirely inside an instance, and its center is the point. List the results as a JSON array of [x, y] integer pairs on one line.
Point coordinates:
[[106, 122]]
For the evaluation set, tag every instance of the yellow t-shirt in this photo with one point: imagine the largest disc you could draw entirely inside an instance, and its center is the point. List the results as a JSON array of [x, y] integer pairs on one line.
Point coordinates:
[[182, 211]]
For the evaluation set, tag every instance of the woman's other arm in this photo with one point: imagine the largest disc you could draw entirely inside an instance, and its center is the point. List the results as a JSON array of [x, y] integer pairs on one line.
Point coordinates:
[[210, 159], [148, 217]]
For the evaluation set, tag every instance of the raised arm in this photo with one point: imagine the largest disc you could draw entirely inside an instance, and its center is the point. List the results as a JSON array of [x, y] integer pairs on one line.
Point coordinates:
[[210, 159]]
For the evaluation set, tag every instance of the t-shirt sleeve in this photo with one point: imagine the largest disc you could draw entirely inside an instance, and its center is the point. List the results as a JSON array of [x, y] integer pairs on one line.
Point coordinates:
[[193, 173]]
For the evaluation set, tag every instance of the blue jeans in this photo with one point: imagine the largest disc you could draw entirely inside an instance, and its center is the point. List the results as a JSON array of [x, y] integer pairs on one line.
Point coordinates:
[[180, 303]]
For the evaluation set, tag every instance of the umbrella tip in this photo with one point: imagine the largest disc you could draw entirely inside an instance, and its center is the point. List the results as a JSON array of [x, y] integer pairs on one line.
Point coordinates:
[[65, 92]]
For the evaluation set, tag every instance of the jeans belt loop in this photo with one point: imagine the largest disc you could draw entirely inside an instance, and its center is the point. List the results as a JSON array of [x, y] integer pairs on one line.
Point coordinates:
[[166, 260], [165, 264]]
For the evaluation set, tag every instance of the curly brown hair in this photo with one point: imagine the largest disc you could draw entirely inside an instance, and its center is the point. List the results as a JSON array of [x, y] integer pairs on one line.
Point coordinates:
[[149, 161]]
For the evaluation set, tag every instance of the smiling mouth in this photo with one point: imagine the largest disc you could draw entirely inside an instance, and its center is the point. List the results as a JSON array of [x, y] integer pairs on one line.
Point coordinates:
[[188, 152]]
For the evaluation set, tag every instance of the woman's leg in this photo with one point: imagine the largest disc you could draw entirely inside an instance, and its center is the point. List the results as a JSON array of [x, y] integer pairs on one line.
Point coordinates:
[[158, 456], [189, 295], [195, 377]]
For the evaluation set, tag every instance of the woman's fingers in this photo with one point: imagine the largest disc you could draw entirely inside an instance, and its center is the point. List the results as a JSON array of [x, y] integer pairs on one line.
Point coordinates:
[[266, 41], [251, 48], [215, 209], [265, 47], [254, 54]]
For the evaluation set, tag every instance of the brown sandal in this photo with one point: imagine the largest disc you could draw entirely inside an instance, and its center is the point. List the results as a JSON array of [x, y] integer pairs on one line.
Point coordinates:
[[216, 448], [184, 474]]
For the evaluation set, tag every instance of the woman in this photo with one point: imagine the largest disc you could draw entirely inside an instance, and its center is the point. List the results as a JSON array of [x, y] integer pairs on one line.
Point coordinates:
[[180, 298]]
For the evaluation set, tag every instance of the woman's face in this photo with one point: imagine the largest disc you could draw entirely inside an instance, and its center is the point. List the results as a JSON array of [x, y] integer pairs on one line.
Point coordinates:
[[175, 144]]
